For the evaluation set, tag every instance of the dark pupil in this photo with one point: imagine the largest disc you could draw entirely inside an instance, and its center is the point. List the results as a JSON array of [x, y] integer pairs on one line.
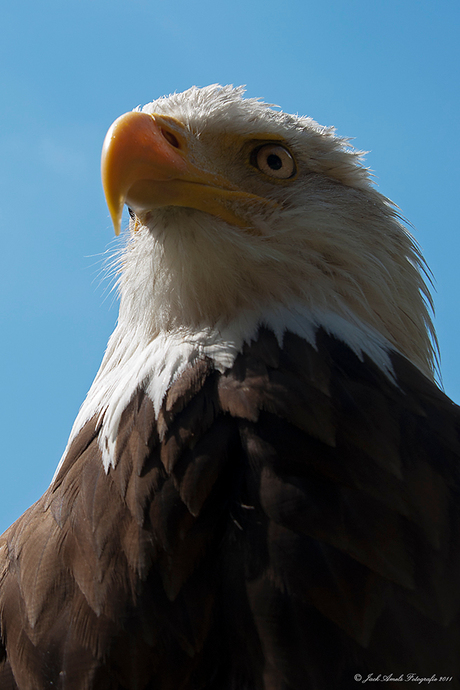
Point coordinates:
[[274, 162]]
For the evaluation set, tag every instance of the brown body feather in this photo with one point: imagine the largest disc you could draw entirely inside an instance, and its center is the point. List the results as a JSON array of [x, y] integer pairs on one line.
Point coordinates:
[[284, 525]]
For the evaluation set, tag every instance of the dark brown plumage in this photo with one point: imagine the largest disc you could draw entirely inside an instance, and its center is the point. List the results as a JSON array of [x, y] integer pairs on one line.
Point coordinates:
[[281, 535]]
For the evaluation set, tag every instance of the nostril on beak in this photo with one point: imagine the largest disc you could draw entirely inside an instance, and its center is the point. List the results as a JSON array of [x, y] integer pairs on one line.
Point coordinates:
[[169, 136]]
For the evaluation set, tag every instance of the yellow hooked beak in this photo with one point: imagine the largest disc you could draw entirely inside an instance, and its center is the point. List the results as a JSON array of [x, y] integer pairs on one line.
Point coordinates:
[[145, 165]]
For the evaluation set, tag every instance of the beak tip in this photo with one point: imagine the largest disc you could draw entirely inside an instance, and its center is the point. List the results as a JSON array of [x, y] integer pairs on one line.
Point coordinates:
[[116, 221]]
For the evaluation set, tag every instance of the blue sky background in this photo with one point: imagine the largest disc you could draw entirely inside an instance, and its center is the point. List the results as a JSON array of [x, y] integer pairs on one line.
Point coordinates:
[[385, 72]]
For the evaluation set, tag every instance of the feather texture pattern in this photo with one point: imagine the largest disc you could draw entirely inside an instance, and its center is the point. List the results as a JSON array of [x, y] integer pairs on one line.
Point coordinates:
[[269, 528]]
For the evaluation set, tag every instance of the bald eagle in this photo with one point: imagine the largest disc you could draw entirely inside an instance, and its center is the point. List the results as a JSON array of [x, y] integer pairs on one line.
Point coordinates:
[[261, 489]]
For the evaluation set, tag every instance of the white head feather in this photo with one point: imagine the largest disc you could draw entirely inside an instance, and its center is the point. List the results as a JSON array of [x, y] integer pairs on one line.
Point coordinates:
[[331, 250]]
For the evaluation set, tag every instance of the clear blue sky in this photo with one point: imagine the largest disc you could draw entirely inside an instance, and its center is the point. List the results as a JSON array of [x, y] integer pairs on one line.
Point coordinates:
[[385, 72]]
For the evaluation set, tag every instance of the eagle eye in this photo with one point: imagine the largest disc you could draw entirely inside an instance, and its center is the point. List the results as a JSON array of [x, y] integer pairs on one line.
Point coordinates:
[[274, 160]]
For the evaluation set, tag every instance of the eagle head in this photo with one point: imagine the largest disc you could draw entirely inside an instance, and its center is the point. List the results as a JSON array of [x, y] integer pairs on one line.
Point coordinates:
[[237, 208]]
